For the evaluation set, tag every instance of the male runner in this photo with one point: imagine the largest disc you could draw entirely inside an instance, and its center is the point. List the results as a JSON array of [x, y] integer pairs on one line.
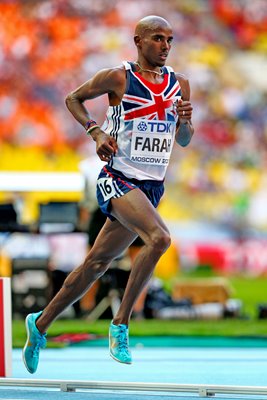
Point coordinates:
[[149, 109]]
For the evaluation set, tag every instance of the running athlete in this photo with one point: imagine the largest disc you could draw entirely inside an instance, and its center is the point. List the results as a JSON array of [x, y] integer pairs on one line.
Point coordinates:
[[149, 109]]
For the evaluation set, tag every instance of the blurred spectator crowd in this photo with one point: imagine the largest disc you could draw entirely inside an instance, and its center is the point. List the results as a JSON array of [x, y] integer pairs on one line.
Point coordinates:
[[49, 47]]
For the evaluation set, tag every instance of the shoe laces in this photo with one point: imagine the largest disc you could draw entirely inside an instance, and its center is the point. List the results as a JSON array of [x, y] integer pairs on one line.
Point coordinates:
[[122, 339], [40, 343]]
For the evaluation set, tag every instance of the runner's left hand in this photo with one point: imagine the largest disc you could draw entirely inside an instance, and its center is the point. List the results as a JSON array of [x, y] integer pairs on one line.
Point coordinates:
[[184, 110]]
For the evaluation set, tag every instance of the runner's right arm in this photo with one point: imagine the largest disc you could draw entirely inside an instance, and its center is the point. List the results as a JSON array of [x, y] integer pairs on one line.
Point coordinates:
[[106, 81]]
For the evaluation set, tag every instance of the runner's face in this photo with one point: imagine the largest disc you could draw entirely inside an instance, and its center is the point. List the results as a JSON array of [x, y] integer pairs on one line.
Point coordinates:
[[156, 45]]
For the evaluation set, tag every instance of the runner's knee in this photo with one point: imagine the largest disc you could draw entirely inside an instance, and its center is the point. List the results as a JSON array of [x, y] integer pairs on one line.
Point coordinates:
[[160, 240], [97, 267]]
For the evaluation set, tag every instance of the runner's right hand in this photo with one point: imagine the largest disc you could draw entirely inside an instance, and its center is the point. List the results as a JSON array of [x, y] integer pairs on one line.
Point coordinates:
[[106, 146]]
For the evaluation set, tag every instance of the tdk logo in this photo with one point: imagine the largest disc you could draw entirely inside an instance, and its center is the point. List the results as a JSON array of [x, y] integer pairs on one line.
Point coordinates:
[[142, 127], [155, 126]]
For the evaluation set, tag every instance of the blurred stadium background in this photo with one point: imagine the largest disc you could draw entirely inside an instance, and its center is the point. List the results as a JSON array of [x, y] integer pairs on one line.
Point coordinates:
[[216, 197]]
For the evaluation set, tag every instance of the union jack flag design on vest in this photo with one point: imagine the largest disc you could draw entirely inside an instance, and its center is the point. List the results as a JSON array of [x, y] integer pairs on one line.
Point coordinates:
[[144, 125], [144, 99]]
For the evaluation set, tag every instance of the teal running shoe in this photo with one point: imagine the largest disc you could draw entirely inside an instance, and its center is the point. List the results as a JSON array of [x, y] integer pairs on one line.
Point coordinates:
[[119, 343], [35, 342]]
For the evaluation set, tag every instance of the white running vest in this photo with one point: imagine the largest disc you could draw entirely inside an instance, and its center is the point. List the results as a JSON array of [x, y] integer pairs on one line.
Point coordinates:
[[144, 125]]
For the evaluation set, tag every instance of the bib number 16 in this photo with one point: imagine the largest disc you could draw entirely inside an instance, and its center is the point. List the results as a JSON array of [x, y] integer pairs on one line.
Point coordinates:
[[106, 187]]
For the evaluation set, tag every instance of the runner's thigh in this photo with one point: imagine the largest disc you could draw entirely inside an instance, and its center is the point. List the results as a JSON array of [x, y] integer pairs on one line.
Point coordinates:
[[112, 240], [136, 213]]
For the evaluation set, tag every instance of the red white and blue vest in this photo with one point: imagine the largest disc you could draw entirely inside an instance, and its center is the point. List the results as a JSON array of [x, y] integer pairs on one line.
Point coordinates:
[[144, 125]]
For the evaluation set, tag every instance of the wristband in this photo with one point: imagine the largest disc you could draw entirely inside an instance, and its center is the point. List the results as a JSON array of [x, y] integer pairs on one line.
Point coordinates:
[[88, 132], [89, 123]]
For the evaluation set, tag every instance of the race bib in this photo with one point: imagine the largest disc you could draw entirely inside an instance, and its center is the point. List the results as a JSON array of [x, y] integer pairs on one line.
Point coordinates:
[[152, 141], [106, 187]]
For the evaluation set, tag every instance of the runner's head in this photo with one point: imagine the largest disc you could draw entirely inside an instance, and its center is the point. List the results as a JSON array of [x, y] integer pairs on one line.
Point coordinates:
[[153, 37]]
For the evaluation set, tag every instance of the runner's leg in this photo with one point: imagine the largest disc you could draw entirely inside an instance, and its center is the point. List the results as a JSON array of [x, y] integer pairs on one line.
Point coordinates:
[[136, 213], [112, 240]]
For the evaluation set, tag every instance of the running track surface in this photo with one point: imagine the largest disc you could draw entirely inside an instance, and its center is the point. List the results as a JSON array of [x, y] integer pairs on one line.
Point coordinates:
[[224, 366]]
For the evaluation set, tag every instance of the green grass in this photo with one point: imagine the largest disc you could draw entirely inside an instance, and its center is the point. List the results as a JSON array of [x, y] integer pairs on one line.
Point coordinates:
[[225, 328], [251, 291]]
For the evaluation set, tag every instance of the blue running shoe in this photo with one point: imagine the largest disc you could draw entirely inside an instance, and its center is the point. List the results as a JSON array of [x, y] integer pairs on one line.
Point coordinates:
[[35, 342], [119, 343]]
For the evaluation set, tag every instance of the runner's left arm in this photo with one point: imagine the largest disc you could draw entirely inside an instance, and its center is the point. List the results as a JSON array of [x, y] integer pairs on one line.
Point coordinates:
[[184, 127]]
